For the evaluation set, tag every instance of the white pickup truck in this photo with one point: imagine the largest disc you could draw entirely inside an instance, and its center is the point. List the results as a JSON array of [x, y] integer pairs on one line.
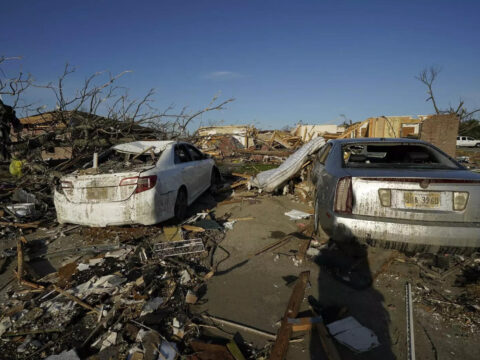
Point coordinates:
[[467, 141]]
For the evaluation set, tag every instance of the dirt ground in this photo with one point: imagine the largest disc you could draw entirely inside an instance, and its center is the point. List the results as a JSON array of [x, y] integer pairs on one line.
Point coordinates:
[[254, 290]]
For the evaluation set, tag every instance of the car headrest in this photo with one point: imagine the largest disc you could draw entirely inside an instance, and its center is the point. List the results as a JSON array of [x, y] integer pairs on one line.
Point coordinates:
[[357, 158], [418, 156]]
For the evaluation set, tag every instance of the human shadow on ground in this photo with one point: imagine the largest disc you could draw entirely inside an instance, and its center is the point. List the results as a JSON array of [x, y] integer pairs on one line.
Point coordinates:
[[345, 289]]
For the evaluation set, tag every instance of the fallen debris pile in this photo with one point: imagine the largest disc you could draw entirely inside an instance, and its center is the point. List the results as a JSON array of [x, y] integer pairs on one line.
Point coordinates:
[[131, 301]]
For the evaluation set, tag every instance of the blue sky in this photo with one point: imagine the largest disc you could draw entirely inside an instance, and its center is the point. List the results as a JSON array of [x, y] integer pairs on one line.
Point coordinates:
[[283, 61]]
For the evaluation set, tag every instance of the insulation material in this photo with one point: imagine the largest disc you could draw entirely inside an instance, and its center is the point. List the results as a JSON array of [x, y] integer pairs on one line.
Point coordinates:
[[271, 180]]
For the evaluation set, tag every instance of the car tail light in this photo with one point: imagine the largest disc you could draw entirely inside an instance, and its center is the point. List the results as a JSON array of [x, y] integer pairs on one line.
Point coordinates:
[[146, 183], [66, 187], [344, 196], [385, 196], [129, 181], [460, 199]]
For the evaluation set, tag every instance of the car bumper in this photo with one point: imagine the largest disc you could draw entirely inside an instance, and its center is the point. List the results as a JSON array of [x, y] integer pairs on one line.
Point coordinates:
[[444, 234], [144, 208]]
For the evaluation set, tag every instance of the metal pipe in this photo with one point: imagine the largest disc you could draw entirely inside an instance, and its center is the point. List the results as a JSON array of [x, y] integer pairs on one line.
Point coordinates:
[[410, 333]]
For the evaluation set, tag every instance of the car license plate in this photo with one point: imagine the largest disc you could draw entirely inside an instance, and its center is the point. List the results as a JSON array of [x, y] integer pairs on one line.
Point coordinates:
[[417, 199]]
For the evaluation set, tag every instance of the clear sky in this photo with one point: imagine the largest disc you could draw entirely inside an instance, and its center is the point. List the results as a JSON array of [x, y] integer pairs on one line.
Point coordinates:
[[283, 61]]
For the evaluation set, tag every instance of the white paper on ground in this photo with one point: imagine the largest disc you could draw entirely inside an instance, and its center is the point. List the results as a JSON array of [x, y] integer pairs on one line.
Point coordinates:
[[354, 335], [297, 214]]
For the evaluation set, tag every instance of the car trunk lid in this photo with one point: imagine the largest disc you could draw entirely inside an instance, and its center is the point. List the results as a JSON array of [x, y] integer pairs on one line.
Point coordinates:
[[100, 187], [408, 195]]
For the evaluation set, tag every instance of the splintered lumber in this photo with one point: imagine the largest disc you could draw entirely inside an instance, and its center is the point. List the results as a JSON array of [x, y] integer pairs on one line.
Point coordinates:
[[193, 228], [32, 284], [302, 251], [75, 299], [33, 225], [304, 324], [240, 327], [206, 351], [265, 152], [273, 245], [326, 340], [234, 350], [245, 176], [283, 336], [31, 332], [19, 260]]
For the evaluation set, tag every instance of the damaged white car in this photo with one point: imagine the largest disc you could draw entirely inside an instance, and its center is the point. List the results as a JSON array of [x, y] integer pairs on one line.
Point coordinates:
[[142, 182]]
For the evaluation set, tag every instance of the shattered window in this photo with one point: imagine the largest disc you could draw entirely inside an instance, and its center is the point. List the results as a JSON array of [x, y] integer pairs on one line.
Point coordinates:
[[113, 161], [181, 154], [401, 155], [194, 153], [323, 153]]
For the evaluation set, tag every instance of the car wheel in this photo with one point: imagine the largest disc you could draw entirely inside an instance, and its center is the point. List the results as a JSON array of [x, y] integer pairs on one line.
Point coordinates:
[[215, 179], [478, 144], [181, 204]]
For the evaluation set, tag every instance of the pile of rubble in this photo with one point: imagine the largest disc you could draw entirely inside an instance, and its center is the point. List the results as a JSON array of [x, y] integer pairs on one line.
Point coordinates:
[[131, 295], [449, 288]]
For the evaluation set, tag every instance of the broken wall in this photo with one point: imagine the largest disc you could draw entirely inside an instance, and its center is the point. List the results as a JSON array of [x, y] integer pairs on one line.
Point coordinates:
[[441, 131]]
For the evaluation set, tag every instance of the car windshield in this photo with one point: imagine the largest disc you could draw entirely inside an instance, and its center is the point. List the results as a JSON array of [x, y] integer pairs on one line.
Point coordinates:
[[112, 161], [395, 155]]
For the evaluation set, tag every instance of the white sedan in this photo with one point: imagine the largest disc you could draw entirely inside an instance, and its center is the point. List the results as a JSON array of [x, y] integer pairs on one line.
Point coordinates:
[[142, 182]]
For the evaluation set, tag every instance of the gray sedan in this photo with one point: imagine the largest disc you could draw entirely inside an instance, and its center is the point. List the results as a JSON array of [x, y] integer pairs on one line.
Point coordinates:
[[401, 193]]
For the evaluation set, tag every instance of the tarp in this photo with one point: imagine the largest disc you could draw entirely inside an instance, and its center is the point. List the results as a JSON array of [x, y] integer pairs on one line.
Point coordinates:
[[270, 180]]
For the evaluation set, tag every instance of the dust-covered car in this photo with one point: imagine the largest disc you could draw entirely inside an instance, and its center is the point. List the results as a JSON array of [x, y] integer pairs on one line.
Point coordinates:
[[400, 193], [142, 182]]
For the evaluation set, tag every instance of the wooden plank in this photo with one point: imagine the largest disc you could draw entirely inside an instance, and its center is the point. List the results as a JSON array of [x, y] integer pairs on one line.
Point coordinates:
[[206, 351], [327, 342], [280, 153], [193, 228], [33, 225], [235, 350], [273, 245], [245, 176], [302, 251], [283, 336]]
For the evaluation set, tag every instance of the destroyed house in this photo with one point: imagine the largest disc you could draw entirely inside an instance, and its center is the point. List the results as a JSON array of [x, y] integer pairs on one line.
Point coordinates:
[[60, 131], [439, 130]]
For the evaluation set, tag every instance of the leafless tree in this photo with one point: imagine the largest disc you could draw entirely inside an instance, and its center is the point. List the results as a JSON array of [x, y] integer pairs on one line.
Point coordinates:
[[100, 112], [427, 77], [13, 87]]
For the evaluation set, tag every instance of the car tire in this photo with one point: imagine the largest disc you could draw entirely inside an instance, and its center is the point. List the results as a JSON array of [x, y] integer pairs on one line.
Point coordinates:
[[181, 204], [215, 179], [477, 144], [316, 217]]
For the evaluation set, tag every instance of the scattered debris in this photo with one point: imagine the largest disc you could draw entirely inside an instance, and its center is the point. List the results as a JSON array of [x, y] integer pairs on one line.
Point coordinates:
[[297, 214], [352, 334]]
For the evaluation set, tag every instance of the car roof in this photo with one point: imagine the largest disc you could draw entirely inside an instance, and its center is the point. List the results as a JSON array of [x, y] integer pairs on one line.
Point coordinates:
[[136, 147], [378, 140]]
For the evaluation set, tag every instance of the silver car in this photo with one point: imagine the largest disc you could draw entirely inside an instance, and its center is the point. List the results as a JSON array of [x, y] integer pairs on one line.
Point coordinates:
[[399, 193]]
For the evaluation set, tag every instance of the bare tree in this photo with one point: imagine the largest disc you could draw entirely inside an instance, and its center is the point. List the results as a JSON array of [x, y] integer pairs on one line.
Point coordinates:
[[100, 113], [428, 76], [13, 87]]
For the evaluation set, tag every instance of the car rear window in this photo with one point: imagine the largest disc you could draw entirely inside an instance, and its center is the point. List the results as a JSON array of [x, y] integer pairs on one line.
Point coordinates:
[[395, 155]]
